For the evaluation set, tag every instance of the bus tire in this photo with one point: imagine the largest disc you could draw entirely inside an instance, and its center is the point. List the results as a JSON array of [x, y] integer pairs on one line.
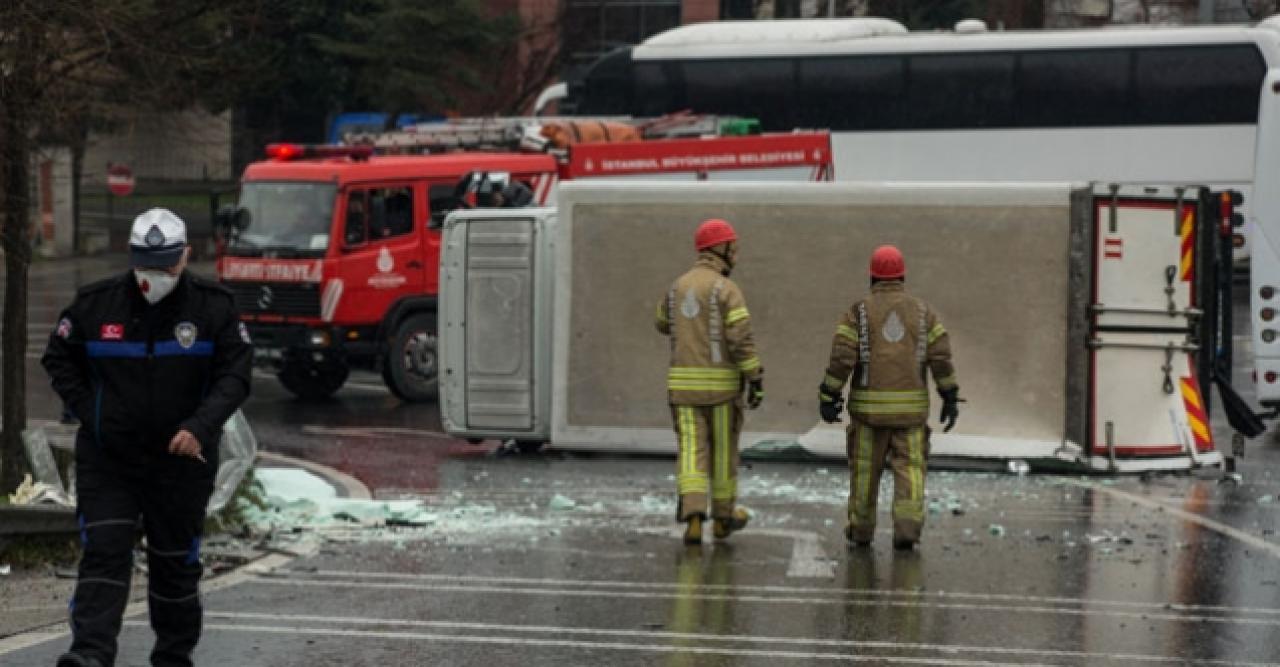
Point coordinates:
[[411, 369], [313, 381]]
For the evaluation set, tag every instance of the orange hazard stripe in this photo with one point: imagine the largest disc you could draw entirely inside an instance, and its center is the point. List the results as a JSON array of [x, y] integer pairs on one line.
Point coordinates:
[[1196, 416], [1188, 246]]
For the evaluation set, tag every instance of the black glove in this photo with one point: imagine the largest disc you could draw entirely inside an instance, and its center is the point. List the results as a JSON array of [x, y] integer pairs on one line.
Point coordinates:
[[829, 405], [755, 393], [950, 408]]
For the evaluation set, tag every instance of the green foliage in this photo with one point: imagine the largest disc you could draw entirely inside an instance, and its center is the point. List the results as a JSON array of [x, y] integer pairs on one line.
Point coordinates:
[[311, 59], [406, 55]]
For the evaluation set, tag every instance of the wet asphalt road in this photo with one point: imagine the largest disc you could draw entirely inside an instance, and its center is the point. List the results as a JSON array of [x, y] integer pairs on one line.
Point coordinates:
[[1013, 570]]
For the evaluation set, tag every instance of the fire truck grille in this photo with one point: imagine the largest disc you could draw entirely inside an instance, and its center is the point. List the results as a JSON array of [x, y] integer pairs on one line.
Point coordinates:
[[290, 299]]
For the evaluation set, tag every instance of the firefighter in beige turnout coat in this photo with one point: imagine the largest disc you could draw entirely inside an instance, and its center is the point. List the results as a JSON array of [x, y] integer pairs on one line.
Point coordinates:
[[886, 342], [713, 357]]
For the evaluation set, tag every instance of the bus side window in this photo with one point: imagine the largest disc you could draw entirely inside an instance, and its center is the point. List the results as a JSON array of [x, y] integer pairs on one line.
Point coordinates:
[[960, 90], [1197, 85], [763, 89], [1081, 88], [851, 93]]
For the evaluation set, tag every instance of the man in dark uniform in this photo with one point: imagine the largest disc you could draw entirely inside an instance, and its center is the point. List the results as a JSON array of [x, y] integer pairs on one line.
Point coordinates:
[[153, 362]]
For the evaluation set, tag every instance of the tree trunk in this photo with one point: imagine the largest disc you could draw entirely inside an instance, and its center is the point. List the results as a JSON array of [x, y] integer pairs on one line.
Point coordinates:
[[80, 139], [15, 151]]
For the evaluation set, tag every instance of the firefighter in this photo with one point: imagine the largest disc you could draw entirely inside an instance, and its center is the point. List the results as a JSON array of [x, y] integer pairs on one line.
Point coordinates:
[[886, 342], [713, 357], [152, 362]]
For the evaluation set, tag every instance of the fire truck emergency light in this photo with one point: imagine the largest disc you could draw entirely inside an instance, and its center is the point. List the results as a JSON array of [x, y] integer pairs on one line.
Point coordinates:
[[287, 152]]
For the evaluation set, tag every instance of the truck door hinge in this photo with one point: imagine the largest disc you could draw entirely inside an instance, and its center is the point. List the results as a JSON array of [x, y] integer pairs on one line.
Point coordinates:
[[1113, 214], [1181, 193]]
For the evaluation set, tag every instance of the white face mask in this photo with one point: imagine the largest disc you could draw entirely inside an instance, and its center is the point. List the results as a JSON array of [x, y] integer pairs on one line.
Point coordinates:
[[155, 285]]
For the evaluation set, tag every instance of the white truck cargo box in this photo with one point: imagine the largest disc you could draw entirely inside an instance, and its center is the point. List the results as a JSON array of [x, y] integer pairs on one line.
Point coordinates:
[[1071, 311]]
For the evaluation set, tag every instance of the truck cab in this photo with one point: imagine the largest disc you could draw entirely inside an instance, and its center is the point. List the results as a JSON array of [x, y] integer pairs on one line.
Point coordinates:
[[333, 257]]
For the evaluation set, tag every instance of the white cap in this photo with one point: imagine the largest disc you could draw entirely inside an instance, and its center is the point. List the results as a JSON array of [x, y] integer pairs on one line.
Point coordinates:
[[157, 239]]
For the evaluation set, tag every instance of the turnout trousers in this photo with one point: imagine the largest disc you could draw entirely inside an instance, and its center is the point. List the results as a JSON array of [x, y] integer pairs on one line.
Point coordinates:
[[707, 436], [172, 510], [906, 451]]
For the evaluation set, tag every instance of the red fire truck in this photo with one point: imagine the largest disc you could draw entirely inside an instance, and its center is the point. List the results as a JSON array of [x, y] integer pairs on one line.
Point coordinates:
[[332, 252]]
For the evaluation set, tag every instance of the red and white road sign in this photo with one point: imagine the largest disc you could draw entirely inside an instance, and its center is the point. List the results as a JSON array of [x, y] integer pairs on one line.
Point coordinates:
[[120, 180]]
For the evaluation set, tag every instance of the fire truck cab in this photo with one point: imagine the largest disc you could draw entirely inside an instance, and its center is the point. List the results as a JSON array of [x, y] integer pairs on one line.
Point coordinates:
[[333, 257], [333, 251]]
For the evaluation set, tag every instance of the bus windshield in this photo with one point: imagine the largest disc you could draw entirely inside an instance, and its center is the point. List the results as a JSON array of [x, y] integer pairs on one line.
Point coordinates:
[[284, 218]]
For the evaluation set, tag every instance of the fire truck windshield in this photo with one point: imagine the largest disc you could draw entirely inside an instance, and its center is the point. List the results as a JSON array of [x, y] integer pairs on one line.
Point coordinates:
[[284, 218]]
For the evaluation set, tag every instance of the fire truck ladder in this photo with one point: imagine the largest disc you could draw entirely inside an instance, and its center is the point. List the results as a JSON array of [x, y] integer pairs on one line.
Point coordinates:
[[523, 133]]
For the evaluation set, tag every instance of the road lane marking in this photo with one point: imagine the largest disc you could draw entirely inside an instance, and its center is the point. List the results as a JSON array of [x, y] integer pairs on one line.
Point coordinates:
[[57, 631], [808, 558], [793, 590], [525, 642], [507, 628], [1239, 535], [1012, 609]]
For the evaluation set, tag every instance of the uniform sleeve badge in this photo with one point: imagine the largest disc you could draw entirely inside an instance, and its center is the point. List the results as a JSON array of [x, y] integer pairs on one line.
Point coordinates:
[[64, 328], [185, 334], [244, 334]]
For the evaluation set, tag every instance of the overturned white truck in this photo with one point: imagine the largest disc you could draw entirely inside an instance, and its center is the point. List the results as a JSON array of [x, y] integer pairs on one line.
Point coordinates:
[[1077, 313]]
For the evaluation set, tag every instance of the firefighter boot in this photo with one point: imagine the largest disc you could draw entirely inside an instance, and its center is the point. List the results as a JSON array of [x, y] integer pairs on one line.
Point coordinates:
[[693, 530], [854, 542], [726, 527]]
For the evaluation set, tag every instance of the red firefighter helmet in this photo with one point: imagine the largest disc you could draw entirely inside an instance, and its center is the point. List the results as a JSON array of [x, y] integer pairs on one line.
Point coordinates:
[[887, 263], [712, 233]]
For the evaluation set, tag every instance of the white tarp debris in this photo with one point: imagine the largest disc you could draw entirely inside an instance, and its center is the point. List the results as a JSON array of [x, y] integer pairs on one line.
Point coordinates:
[[43, 466], [291, 484], [236, 453], [38, 493]]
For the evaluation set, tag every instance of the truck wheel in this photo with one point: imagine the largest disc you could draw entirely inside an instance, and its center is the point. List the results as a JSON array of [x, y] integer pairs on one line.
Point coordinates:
[[313, 381], [412, 368]]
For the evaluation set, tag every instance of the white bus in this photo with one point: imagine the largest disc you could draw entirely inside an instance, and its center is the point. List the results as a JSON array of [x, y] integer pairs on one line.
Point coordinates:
[[1156, 104]]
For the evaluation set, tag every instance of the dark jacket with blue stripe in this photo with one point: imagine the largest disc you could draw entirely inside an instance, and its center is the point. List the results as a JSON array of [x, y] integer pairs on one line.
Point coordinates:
[[135, 373]]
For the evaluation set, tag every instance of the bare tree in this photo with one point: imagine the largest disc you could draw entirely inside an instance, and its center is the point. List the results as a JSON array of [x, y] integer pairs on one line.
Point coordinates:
[[540, 60], [63, 63]]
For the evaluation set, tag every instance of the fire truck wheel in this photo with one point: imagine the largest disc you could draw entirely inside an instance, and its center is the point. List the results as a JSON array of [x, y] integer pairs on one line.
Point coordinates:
[[312, 381], [411, 369]]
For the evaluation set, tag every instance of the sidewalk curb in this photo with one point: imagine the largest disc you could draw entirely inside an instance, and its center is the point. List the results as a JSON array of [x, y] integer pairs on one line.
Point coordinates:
[[347, 486]]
